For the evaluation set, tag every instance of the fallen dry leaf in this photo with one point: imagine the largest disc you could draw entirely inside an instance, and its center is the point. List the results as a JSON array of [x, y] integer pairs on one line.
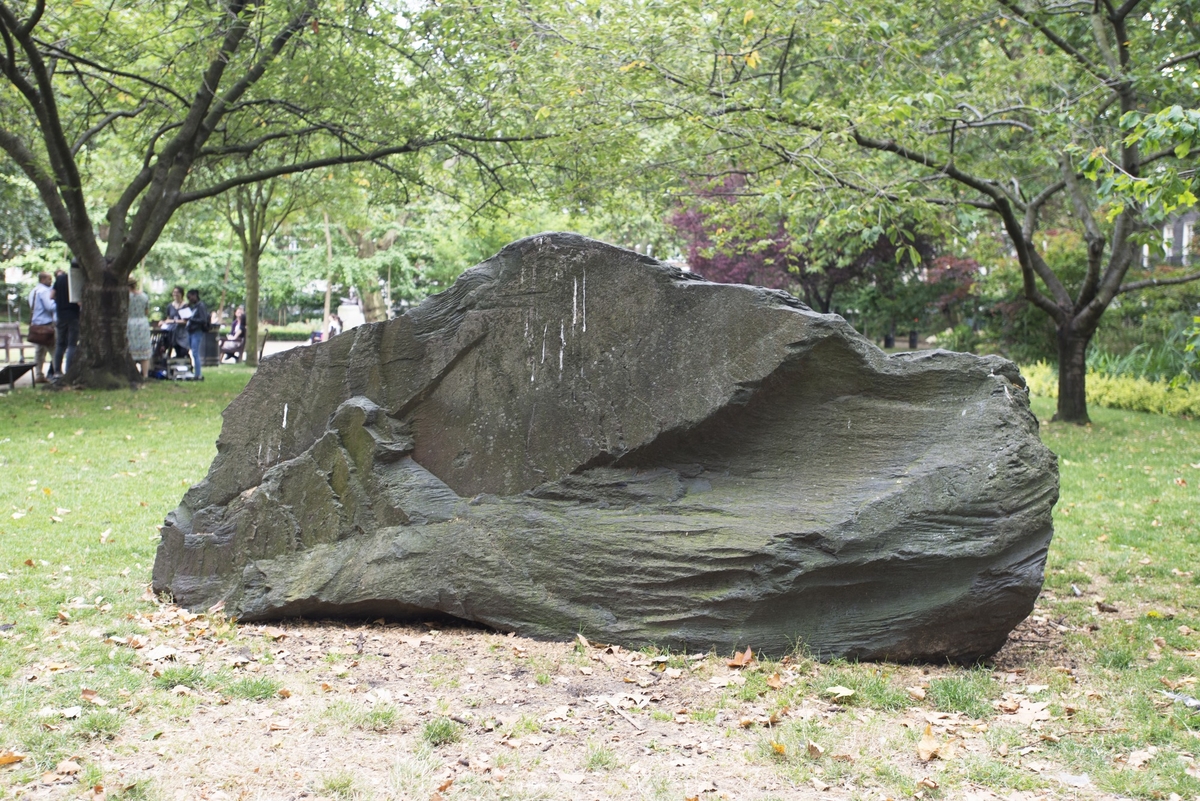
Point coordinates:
[[775, 682], [1137, 760], [10, 757], [741, 660], [570, 778], [917, 693], [444, 786], [928, 747], [1030, 712], [161, 653], [815, 751], [92, 697], [838, 692], [67, 768]]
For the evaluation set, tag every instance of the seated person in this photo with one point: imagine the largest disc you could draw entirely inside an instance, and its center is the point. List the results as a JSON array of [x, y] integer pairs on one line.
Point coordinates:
[[234, 343]]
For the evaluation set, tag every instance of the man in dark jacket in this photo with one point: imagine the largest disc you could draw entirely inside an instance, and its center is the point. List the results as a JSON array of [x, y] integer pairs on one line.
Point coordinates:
[[66, 323], [197, 327]]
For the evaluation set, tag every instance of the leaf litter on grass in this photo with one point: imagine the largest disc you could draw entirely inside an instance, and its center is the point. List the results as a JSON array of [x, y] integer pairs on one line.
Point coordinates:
[[1072, 707]]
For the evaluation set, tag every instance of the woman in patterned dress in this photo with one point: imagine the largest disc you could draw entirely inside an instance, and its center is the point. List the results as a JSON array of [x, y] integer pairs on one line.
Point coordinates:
[[138, 328]]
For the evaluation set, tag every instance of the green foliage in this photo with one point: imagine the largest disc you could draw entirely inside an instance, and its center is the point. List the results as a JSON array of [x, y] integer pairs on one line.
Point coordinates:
[[1164, 191], [181, 676], [339, 785], [1154, 361], [969, 692], [441, 731], [601, 758], [253, 688], [1122, 392], [102, 724], [872, 686], [23, 221]]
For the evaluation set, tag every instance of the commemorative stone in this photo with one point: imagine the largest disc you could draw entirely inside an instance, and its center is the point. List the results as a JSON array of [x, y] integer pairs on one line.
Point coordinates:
[[576, 438]]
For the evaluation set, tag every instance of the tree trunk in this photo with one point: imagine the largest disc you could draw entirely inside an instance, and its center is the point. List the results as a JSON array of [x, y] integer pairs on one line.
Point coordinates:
[[1072, 375], [325, 319], [103, 360], [250, 268], [373, 307]]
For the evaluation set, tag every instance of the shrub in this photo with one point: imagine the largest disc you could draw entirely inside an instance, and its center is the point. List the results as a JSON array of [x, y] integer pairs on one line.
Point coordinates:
[[1122, 392]]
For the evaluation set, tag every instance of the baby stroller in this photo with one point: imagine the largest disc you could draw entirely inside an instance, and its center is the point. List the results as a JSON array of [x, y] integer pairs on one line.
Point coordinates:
[[163, 365]]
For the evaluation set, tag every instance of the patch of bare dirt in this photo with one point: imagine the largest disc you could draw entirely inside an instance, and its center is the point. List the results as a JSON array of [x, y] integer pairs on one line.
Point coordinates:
[[1039, 641], [331, 710]]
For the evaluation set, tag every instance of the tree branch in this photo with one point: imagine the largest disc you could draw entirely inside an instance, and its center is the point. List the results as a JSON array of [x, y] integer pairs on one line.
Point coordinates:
[[1153, 282], [42, 101], [1058, 41], [104, 123], [34, 18], [56, 49], [304, 166], [1171, 62], [1035, 207], [17, 150], [1092, 234], [1123, 12], [256, 72]]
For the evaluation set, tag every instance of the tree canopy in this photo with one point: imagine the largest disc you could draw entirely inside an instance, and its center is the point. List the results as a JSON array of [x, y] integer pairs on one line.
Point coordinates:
[[128, 113], [991, 108]]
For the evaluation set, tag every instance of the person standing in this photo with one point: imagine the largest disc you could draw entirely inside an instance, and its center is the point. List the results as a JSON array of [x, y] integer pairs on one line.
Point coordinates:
[[67, 326], [176, 323], [41, 307], [137, 328], [197, 327]]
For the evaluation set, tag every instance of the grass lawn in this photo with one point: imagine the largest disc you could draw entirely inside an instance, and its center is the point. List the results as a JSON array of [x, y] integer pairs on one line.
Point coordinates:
[[1075, 708]]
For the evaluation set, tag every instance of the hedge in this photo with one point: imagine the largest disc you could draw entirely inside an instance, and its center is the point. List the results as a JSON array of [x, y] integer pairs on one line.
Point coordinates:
[[1121, 392]]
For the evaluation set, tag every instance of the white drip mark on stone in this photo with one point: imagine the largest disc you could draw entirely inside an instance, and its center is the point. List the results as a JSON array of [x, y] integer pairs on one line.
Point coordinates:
[[575, 303], [562, 345], [544, 330], [285, 415], [585, 300]]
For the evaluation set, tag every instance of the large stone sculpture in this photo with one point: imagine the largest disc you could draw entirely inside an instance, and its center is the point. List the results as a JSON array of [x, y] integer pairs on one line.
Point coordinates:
[[576, 438]]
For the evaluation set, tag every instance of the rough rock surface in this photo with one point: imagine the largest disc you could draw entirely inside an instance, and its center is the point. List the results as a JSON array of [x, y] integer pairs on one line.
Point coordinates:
[[576, 438]]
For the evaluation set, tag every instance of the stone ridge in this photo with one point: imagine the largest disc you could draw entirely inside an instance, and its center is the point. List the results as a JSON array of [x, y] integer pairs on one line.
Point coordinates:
[[574, 437]]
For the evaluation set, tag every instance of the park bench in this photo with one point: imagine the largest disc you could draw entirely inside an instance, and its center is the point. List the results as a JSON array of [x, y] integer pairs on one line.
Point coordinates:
[[10, 340], [12, 372]]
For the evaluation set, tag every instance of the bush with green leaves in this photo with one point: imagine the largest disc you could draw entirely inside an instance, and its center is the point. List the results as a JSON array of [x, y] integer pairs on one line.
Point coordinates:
[[1122, 392]]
